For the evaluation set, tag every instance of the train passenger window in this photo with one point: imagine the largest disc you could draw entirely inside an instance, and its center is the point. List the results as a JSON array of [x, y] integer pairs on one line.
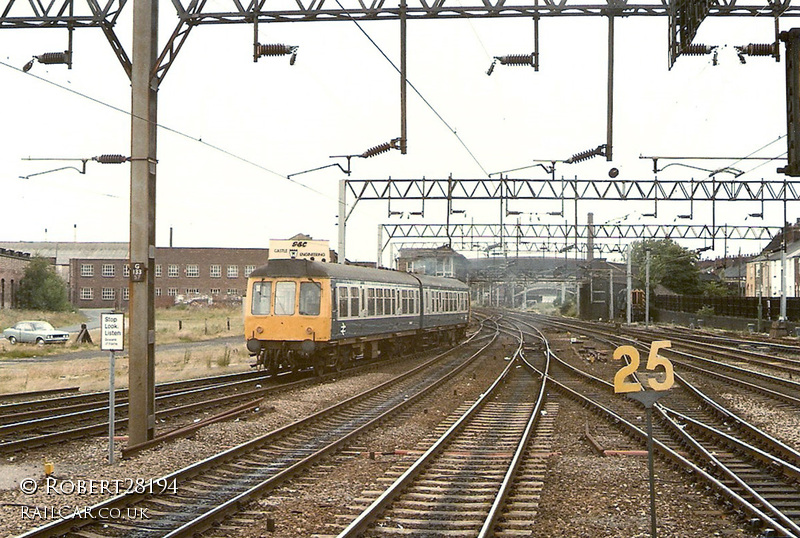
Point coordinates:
[[310, 293], [379, 301], [342, 299], [371, 301], [284, 298], [262, 294], [355, 311]]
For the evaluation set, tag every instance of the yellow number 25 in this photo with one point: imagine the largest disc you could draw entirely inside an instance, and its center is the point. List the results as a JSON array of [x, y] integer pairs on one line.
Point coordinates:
[[653, 362]]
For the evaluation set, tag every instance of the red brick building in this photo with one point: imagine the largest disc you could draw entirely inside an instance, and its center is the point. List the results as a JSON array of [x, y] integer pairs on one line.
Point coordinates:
[[12, 268], [213, 274]]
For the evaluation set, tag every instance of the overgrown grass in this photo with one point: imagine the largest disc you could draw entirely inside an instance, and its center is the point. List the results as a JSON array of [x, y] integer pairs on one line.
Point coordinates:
[[92, 374], [56, 319], [196, 324], [189, 324]]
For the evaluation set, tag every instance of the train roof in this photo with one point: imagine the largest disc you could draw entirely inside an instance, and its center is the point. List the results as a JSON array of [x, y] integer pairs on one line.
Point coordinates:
[[305, 268]]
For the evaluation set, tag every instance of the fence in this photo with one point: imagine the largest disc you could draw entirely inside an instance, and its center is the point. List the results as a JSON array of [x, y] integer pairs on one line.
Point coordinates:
[[740, 307]]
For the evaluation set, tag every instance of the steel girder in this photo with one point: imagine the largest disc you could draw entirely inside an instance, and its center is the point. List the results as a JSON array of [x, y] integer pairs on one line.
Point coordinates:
[[728, 190], [74, 14], [512, 232], [487, 244], [89, 13]]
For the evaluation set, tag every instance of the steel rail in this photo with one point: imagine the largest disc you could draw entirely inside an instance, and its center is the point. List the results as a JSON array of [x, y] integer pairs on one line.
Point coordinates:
[[755, 452], [789, 383], [619, 421], [790, 470], [363, 520], [502, 495], [56, 528], [731, 474], [727, 350], [775, 443], [232, 505]]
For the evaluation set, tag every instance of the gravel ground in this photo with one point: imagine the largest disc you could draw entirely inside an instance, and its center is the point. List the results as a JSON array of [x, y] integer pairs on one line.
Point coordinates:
[[588, 496], [87, 459], [585, 495]]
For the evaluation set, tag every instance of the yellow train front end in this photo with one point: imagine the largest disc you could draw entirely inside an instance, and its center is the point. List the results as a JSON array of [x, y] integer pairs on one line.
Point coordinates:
[[287, 317]]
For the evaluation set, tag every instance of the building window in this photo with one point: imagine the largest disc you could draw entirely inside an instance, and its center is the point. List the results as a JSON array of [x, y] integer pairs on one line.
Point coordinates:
[[216, 271], [192, 291], [87, 270], [125, 294], [158, 292], [233, 271], [87, 294], [108, 269], [108, 294], [192, 270], [249, 269], [158, 269], [172, 270], [233, 291], [126, 270], [215, 291], [172, 292]]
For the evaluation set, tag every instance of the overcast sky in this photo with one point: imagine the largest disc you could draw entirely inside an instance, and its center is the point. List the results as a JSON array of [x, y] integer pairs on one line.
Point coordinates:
[[342, 97]]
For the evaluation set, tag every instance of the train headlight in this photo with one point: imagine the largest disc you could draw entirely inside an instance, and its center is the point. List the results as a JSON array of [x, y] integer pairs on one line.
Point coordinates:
[[259, 329], [309, 330]]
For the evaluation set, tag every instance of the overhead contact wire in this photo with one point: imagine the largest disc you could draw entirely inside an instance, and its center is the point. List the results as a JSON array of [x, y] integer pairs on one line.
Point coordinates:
[[170, 129], [419, 94]]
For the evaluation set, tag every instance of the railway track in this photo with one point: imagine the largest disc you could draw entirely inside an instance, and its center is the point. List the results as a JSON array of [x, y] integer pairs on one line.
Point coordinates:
[[782, 391], [475, 479], [753, 470], [208, 491], [29, 424]]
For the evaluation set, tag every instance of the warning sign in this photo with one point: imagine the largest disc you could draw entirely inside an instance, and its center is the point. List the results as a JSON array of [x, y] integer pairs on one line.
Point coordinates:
[[112, 332]]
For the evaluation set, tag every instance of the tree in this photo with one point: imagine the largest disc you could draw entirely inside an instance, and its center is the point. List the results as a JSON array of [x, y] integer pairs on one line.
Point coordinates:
[[671, 265], [40, 288]]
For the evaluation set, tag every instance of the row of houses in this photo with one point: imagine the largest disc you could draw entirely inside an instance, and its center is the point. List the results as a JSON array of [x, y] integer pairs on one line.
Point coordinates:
[[98, 273]]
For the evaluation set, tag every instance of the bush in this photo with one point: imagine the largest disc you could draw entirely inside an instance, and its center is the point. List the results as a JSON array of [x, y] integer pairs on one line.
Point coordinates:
[[40, 288], [706, 311]]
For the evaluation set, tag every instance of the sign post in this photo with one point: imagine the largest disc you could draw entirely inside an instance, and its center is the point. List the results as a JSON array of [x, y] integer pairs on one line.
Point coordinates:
[[112, 336], [647, 398]]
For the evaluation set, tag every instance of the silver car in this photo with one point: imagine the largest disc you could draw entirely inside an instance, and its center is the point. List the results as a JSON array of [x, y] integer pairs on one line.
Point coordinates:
[[35, 332]]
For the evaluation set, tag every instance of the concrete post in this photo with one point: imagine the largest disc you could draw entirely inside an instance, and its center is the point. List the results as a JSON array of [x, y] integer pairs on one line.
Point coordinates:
[[144, 106]]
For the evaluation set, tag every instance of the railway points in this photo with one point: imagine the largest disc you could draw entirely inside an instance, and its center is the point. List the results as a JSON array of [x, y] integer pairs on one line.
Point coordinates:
[[750, 469]]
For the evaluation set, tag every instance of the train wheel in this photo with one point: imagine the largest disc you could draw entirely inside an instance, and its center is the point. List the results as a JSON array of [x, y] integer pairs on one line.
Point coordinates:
[[319, 367]]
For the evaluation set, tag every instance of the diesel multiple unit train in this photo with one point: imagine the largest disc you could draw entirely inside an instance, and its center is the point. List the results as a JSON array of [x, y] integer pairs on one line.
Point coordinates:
[[300, 313]]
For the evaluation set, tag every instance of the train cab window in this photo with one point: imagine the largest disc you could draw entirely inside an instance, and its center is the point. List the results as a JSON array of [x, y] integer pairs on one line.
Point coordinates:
[[262, 295], [310, 293], [284, 298]]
